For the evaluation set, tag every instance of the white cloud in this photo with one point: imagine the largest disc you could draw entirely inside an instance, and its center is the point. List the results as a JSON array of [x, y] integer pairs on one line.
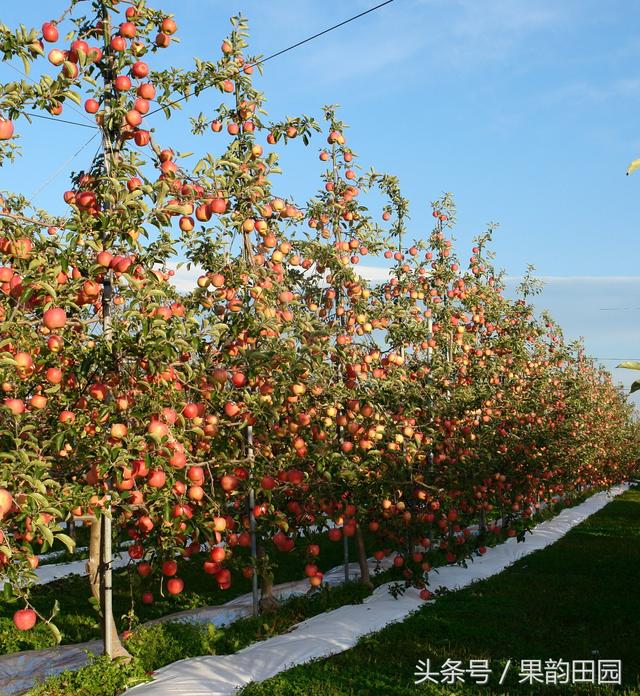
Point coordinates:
[[584, 91], [475, 31], [185, 279], [373, 273], [371, 46], [601, 309], [580, 279]]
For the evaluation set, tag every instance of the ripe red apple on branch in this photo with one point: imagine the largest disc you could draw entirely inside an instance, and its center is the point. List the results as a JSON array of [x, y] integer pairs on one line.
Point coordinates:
[[410, 409]]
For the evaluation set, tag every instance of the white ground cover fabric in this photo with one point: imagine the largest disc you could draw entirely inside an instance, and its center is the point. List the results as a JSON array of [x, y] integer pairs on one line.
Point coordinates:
[[19, 671], [323, 635], [56, 571], [338, 630]]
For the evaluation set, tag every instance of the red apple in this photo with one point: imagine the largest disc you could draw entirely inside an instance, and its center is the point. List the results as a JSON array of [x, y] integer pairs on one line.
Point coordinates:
[[157, 429], [146, 90], [133, 118], [119, 431], [118, 44], [50, 32], [56, 56], [6, 501], [16, 406], [91, 106], [54, 375], [25, 619], [144, 569], [67, 417], [217, 554], [169, 568], [229, 483], [54, 318], [334, 534], [122, 83], [157, 478], [218, 205], [190, 411], [142, 138], [231, 409], [6, 129], [127, 29], [168, 26], [268, 483], [175, 586], [139, 69]]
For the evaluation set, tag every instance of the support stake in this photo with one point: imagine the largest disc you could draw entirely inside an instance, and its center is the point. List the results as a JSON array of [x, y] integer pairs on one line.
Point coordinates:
[[252, 528], [345, 543], [107, 584]]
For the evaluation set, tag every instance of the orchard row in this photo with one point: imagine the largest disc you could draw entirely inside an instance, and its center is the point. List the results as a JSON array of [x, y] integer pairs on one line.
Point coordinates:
[[283, 393]]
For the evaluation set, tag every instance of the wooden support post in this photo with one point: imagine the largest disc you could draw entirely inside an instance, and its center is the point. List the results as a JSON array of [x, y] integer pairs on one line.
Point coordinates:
[[345, 548], [106, 585], [252, 528]]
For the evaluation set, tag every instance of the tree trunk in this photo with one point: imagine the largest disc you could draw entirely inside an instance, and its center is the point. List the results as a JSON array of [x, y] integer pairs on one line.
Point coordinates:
[[96, 584], [365, 578], [268, 602], [482, 526], [93, 564]]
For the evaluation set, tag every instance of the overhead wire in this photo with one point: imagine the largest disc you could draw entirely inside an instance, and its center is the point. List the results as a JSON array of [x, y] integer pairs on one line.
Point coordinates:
[[63, 166], [322, 33], [256, 63], [262, 61], [55, 118], [62, 120]]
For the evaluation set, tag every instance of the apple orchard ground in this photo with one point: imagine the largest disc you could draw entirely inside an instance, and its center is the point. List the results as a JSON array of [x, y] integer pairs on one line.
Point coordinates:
[[577, 599]]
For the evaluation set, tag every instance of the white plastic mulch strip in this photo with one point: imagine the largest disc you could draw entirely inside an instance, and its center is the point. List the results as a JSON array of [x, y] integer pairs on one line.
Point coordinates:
[[19, 671], [56, 571], [339, 630]]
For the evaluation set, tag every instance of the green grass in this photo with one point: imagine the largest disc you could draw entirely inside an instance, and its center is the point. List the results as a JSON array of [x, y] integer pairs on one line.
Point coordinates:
[[155, 646], [161, 644], [578, 596]]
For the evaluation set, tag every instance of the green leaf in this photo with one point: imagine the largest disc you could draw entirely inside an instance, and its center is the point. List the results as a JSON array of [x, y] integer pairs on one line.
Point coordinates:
[[633, 166], [67, 541], [95, 603], [635, 386], [46, 533], [56, 632], [74, 96], [630, 364]]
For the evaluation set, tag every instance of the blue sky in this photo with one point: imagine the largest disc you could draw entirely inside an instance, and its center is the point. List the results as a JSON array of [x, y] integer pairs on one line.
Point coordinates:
[[526, 110]]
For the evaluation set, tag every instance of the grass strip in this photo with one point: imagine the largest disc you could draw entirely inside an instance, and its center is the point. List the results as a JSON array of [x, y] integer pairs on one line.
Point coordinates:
[[577, 599]]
